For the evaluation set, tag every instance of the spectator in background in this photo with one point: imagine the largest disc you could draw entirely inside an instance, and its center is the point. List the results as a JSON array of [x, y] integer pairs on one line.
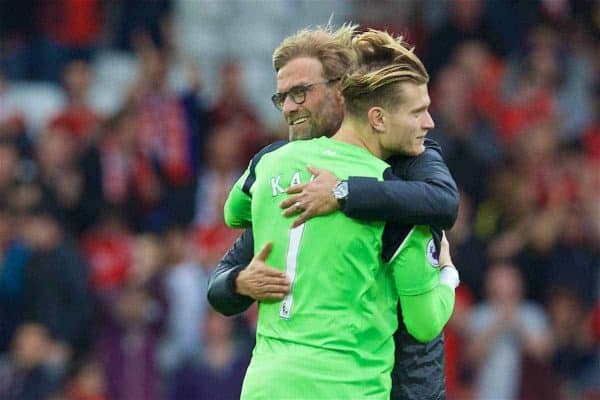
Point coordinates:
[[543, 82], [139, 17], [25, 196], [199, 116], [88, 382], [69, 29], [572, 262], [61, 179], [502, 331], [528, 94], [12, 120], [9, 167], [223, 157], [14, 255], [502, 218], [233, 109], [185, 290], [164, 137], [594, 375], [468, 250], [590, 181], [56, 289], [222, 168], [161, 120], [34, 367], [119, 176], [133, 321], [540, 168], [108, 248], [591, 139], [551, 76], [466, 20], [573, 352], [219, 373], [16, 31], [77, 117], [548, 190], [458, 376], [469, 143], [530, 199]]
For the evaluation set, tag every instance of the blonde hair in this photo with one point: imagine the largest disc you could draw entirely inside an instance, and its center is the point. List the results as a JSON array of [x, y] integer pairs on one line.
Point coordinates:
[[383, 62], [333, 48]]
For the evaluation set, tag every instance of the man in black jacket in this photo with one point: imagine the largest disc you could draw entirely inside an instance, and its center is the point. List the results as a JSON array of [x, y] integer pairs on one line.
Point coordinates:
[[424, 194]]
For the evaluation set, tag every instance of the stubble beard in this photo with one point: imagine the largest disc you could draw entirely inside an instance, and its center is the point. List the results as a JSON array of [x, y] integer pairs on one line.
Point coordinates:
[[317, 126], [325, 123], [300, 133]]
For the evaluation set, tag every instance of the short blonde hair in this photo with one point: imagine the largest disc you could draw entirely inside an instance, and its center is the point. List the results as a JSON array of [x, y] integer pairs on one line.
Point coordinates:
[[333, 48], [383, 62]]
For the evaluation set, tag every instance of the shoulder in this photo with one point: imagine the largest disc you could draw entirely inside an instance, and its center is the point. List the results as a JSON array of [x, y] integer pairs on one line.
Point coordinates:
[[432, 147], [433, 152], [265, 151], [268, 149], [405, 167]]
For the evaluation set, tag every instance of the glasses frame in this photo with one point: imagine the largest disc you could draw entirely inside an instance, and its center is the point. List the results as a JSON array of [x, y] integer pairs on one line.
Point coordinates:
[[278, 98]]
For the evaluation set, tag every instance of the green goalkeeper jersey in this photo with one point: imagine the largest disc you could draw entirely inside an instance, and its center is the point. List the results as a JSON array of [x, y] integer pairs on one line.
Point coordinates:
[[331, 337]]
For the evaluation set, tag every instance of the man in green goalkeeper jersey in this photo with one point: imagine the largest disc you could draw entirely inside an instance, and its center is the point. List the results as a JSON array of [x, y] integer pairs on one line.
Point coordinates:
[[331, 336]]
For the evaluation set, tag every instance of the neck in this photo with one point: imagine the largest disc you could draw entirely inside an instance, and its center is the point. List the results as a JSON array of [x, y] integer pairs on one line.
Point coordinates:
[[360, 134]]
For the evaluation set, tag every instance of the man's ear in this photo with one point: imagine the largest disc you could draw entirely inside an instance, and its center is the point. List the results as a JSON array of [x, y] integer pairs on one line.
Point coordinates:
[[376, 118], [340, 98]]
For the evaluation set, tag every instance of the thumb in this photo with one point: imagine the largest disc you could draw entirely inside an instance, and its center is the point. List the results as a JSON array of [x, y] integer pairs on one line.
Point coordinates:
[[264, 252], [313, 170], [444, 239]]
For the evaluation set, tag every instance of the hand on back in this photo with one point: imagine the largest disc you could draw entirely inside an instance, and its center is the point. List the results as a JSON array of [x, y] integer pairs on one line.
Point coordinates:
[[260, 281], [311, 199]]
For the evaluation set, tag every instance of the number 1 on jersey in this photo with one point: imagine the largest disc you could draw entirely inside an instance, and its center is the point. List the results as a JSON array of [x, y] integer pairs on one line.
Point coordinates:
[[291, 263]]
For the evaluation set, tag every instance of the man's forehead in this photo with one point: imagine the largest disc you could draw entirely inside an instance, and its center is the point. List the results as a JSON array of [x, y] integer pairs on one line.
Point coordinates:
[[299, 71], [414, 95]]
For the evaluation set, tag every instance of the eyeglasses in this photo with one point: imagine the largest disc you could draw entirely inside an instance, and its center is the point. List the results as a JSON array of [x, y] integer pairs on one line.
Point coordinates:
[[297, 93]]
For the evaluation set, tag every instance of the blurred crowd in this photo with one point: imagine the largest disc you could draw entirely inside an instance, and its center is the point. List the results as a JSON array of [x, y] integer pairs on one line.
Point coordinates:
[[110, 223]]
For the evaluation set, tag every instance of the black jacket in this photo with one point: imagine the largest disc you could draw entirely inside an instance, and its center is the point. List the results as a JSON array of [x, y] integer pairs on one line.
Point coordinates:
[[423, 193]]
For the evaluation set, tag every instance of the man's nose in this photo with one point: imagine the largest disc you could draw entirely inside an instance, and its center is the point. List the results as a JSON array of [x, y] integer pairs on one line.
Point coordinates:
[[428, 123], [289, 106]]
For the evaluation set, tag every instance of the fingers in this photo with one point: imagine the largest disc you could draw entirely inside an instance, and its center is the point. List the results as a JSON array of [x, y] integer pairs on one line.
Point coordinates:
[[444, 239], [296, 188], [274, 275], [264, 252], [271, 296], [444, 244], [290, 201], [293, 209], [313, 170], [305, 216], [273, 289], [444, 256]]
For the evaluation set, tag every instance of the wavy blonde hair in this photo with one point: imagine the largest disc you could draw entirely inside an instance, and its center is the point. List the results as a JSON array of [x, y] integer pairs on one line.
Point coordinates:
[[333, 48], [383, 62]]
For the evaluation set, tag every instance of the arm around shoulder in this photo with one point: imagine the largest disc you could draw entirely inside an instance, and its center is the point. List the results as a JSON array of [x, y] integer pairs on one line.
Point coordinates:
[[418, 190]]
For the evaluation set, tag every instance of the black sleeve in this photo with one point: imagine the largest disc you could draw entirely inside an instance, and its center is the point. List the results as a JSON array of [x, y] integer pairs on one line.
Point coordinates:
[[221, 285], [418, 190], [222, 294]]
